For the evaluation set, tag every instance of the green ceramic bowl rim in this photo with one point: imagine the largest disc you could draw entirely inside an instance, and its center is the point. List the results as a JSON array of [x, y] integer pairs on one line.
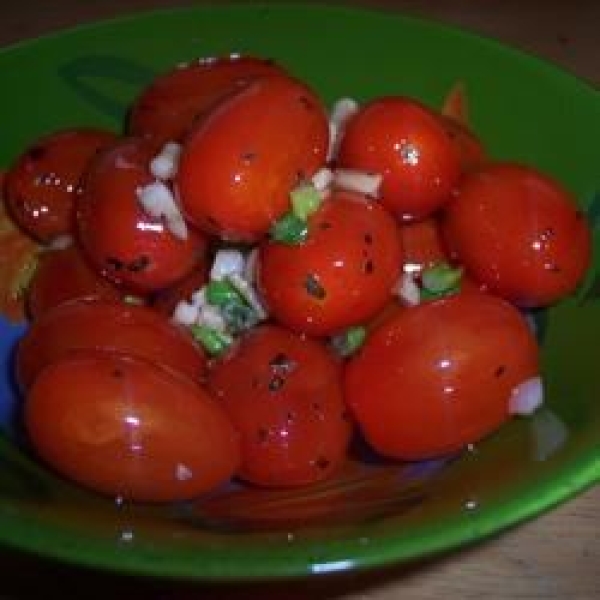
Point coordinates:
[[293, 561]]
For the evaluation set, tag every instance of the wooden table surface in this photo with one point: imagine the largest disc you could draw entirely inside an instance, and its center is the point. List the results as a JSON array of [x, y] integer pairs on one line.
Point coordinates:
[[557, 555]]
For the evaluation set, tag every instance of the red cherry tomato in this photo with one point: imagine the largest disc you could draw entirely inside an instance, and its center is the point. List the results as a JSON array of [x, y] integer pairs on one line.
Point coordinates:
[[341, 275], [42, 185], [422, 244], [168, 107], [241, 161], [121, 240], [126, 427], [439, 376], [406, 143], [519, 233], [62, 275], [166, 300], [469, 148], [103, 325], [283, 394]]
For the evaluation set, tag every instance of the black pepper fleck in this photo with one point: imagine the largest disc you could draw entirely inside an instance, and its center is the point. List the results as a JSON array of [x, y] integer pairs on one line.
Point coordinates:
[[314, 287], [322, 463], [139, 264], [282, 363], [114, 263], [500, 371], [276, 383]]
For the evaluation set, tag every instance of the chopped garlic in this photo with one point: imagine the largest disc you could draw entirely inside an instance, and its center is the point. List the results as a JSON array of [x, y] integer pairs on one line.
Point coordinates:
[[226, 263], [526, 397], [342, 110], [158, 201], [408, 290], [164, 165], [354, 180], [185, 313]]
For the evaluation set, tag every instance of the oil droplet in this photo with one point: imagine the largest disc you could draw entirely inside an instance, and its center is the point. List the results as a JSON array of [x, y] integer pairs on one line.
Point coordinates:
[[126, 536], [471, 505]]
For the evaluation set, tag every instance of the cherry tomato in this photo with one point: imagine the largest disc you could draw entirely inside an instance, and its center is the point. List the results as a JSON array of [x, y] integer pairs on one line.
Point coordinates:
[[439, 376], [84, 324], [283, 393], [64, 274], [469, 148], [126, 427], [166, 300], [520, 233], [167, 108], [42, 185], [406, 143], [422, 244], [341, 275], [240, 162], [121, 240]]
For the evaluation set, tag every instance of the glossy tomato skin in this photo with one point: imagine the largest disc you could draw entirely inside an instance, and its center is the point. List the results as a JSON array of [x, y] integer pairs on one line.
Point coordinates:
[[439, 376], [468, 146], [129, 428], [240, 162], [104, 325], [406, 143], [283, 393], [341, 275], [168, 106], [518, 232], [64, 274], [44, 182], [422, 244], [124, 243], [167, 300]]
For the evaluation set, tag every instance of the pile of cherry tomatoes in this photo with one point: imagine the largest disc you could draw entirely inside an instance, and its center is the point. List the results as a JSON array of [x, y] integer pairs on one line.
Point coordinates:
[[237, 284]]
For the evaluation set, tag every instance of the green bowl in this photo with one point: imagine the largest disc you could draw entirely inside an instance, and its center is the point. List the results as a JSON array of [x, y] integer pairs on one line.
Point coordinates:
[[374, 514]]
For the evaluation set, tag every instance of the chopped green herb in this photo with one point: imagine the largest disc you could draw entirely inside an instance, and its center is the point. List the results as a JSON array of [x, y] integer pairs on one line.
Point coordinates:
[[440, 280], [349, 341], [220, 292], [290, 229], [214, 342], [305, 200], [238, 316]]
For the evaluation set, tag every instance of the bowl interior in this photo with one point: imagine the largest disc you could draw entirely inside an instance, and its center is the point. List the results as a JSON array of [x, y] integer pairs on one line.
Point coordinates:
[[374, 513]]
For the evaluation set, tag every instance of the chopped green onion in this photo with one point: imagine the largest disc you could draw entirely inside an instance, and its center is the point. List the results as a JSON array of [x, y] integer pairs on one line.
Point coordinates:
[[214, 342], [220, 292], [290, 229], [238, 316], [440, 280], [349, 341], [305, 200]]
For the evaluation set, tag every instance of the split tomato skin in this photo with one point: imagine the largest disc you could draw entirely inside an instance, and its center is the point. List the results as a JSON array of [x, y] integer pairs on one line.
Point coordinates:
[[44, 182], [341, 275], [104, 325], [128, 428], [283, 393], [519, 233], [130, 247], [450, 368], [241, 161], [167, 108], [407, 144]]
